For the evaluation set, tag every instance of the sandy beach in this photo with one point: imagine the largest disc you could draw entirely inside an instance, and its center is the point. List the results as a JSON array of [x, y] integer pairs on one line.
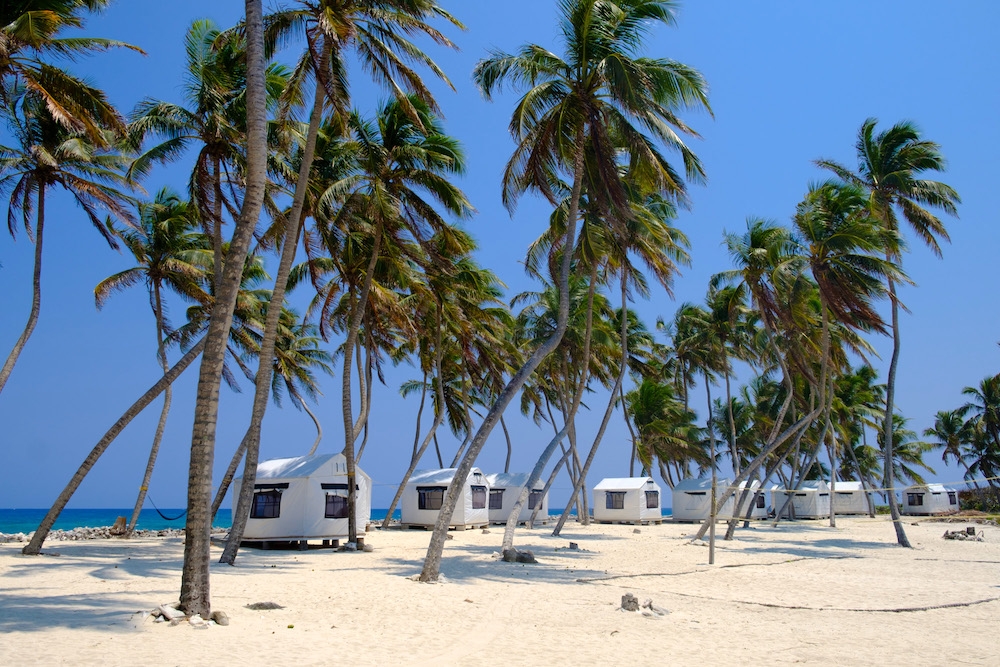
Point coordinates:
[[799, 593]]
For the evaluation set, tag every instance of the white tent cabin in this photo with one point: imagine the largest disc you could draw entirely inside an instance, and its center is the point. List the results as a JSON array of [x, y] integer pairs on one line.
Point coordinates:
[[810, 501], [692, 499], [627, 500], [304, 498], [505, 488], [929, 499], [849, 497], [424, 494], [759, 500]]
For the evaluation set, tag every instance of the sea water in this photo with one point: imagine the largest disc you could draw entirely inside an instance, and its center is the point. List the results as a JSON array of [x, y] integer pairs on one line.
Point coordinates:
[[27, 520]]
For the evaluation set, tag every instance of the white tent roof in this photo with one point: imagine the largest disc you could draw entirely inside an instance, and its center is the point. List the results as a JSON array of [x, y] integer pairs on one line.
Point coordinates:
[[701, 484], [622, 483], [440, 476], [849, 485], [510, 480], [933, 488], [301, 466]]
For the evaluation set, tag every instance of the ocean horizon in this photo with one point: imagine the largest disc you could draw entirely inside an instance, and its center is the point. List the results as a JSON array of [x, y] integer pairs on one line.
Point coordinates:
[[27, 520]]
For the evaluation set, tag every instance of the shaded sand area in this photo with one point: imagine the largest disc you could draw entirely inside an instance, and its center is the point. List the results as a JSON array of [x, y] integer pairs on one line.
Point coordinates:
[[802, 592]]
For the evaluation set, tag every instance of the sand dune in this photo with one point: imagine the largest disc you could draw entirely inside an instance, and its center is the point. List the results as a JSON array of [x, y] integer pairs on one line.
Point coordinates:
[[802, 592]]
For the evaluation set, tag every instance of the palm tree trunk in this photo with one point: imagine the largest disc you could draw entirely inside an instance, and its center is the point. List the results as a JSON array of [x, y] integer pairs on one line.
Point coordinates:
[[631, 431], [195, 595], [887, 442], [36, 292], [432, 562], [438, 419], [545, 489], [420, 412], [319, 428], [265, 361], [352, 337], [217, 256], [833, 472], [506, 435], [714, 507], [619, 381], [536, 474], [154, 450], [35, 545], [733, 451]]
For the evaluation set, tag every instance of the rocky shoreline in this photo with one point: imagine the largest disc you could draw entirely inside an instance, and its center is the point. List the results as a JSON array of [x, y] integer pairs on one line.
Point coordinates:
[[76, 534]]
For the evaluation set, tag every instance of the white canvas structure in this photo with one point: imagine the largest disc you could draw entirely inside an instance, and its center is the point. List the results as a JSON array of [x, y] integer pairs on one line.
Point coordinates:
[[810, 501], [425, 491], [849, 497], [929, 499], [692, 499], [627, 500], [759, 500], [505, 488], [304, 498]]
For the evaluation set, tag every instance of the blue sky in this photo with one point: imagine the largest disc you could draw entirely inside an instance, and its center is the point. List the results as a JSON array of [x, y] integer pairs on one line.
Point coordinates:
[[790, 83]]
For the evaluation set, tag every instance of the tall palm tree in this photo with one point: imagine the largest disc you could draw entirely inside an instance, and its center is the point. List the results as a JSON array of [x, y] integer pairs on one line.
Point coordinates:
[[983, 427], [30, 33], [165, 250], [890, 165], [195, 597], [46, 157]]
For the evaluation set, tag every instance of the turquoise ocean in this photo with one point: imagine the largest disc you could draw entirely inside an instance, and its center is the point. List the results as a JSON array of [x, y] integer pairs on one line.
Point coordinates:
[[26, 520]]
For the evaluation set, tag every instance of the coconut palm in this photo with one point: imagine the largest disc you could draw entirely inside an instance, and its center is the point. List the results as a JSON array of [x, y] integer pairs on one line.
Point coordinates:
[[48, 157], [29, 33], [890, 164], [163, 247], [596, 94], [195, 595]]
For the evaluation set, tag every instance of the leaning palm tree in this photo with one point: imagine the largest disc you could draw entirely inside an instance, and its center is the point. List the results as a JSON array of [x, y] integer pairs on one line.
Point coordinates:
[[601, 92], [165, 251], [48, 157], [890, 164], [30, 33]]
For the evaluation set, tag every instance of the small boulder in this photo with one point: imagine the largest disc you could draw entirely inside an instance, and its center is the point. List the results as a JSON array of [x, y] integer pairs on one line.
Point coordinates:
[[196, 621], [220, 617], [574, 546], [636, 530], [169, 612], [486, 531], [367, 548], [630, 602]]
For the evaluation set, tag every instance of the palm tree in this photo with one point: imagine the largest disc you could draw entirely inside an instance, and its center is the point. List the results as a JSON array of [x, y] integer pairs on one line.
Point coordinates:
[[889, 167], [47, 157], [30, 31], [591, 99], [195, 595], [163, 248], [983, 427]]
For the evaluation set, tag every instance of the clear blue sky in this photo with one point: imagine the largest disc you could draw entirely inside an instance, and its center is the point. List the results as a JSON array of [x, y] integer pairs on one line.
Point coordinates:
[[790, 82]]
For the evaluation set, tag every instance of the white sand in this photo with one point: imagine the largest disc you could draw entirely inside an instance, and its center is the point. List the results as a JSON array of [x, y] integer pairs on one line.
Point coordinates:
[[803, 592]]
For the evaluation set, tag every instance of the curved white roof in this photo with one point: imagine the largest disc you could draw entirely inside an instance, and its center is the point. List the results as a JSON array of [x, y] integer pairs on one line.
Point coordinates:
[[324, 465], [612, 483], [439, 476]]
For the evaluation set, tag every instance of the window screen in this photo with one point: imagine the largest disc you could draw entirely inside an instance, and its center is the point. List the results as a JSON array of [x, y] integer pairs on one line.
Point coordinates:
[[914, 499], [478, 497], [496, 499], [336, 506], [614, 500], [760, 502], [266, 505], [652, 499], [534, 499], [952, 498], [430, 497]]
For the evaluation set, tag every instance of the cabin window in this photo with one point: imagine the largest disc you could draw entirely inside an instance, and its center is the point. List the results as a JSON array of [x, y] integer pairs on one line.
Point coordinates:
[[266, 504], [760, 502], [477, 477], [652, 499], [695, 493], [430, 497], [479, 497], [802, 495], [843, 493], [496, 499], [614, 500], [952, 498], [914, 499], [535, 499], [336, 506]]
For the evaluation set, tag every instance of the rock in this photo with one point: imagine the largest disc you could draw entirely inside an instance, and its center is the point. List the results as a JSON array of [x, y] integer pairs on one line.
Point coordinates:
[[169, 612], [574, 546], [263, 606], [449, 536], [196, 620], [351, 546], [630, 602], [220, 617], [486, 531], [653, 609], [368, 548], [636, 530], [515, 556]]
